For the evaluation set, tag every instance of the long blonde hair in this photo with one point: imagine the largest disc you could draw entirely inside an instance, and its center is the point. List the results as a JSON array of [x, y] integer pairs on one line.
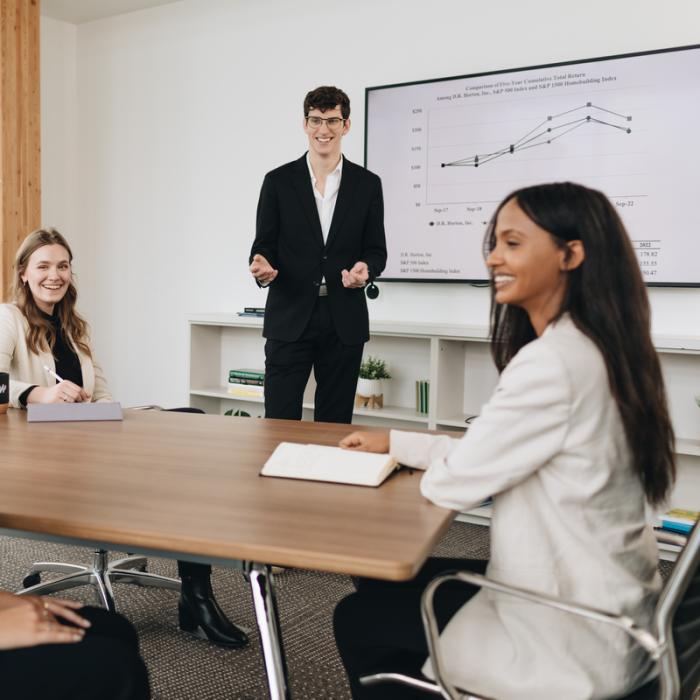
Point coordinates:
[[41, 335]]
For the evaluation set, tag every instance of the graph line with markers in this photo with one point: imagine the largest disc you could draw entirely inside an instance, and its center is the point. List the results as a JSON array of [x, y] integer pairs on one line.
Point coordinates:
[[545, 133]]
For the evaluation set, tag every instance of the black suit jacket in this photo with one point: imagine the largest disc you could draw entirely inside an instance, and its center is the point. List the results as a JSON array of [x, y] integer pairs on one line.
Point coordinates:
[[288, 234]]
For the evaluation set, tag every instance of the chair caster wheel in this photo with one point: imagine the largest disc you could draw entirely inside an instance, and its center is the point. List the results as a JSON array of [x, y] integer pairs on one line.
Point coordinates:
[[31, 580]]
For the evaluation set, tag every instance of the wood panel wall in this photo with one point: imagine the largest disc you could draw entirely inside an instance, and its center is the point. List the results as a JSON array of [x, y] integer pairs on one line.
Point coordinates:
[[20, 129]]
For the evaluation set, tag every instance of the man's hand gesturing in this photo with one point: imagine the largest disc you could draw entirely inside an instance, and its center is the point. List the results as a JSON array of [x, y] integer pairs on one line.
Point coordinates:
[[357, 276], [261, 269]]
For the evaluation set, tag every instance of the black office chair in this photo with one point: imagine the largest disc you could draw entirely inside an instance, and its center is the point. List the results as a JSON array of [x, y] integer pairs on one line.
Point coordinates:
[[101, 573], [673, 642]]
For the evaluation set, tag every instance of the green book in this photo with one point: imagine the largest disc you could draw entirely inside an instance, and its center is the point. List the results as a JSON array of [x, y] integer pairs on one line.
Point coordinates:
[[422, 387], [246, 374]]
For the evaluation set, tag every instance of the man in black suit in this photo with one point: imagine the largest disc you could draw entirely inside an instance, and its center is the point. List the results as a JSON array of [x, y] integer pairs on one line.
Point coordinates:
[[319, 240]]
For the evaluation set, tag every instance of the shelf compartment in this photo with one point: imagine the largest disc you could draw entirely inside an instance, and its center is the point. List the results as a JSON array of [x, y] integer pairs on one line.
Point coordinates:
[[686, 446], [216, 392], [477, 516], [388, 412], [455, 421], [393, 413]]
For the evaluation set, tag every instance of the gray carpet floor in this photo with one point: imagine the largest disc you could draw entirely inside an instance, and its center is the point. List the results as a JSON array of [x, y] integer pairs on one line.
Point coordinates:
[[185, 668]]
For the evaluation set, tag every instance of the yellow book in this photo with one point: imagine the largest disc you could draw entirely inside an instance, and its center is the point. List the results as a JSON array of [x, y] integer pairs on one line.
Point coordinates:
[[681, 513], [246, 390]]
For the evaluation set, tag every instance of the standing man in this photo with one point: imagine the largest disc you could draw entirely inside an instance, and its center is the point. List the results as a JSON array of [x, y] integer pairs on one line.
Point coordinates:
[[319, 239]]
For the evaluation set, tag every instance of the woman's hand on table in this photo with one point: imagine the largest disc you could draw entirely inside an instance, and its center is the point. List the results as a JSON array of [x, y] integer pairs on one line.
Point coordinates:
[[366, 441]]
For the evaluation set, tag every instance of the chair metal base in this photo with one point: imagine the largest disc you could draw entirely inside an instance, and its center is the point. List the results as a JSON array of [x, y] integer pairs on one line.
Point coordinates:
[[428, 687], [101, 575], [388, 677]]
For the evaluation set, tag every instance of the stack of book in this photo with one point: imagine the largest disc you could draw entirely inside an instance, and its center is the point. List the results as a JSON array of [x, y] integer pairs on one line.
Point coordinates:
[[246, 383], [254, 311], [675, 525], [422, 390]]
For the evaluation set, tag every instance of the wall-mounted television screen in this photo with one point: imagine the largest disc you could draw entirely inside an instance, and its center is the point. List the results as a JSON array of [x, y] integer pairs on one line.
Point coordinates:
[[448, 150]]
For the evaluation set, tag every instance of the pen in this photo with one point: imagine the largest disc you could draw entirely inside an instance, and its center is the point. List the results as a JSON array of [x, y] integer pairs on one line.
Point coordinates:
[[52, 373]]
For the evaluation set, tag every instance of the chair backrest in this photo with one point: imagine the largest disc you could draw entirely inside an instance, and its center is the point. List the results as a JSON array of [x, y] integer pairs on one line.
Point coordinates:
[[678, 624]]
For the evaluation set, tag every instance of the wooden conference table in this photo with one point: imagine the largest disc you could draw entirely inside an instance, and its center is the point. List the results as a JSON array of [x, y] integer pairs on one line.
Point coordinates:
[[188, 486]]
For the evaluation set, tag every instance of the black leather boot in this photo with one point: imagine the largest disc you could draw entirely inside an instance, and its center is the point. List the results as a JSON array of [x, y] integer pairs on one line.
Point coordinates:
[[200, 614]]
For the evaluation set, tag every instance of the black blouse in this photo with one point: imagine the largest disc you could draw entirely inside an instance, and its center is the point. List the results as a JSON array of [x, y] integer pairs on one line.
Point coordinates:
[[66, 359]]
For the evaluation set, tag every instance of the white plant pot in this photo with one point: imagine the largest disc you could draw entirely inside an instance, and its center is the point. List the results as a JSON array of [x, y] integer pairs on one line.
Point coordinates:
[[370, 387]]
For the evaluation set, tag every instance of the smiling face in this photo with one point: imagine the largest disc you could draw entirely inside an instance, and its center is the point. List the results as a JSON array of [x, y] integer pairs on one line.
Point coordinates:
[[48, 275], [527, 266], [325, 142]]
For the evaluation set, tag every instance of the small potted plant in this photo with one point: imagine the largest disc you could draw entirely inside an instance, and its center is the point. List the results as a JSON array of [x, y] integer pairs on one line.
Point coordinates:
[[370, 387]]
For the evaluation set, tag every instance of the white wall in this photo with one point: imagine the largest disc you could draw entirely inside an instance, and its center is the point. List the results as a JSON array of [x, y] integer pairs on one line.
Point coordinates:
[[181, 109], [58, 124]]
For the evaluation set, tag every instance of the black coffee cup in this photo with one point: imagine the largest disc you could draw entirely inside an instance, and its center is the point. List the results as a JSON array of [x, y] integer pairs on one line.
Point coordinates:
[[4, 391]]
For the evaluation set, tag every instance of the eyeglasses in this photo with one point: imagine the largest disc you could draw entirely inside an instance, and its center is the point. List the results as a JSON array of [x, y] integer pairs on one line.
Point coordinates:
[[331, 122]]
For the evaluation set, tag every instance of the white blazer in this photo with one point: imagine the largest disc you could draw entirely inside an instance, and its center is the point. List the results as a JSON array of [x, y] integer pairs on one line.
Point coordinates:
[[26, 368], [568, 520]]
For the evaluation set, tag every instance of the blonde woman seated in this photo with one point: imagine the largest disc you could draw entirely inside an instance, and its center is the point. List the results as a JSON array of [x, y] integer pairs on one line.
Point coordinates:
[[41, 328]]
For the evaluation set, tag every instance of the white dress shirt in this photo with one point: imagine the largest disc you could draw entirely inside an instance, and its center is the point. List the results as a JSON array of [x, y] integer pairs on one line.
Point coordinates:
[[568, 520], [325, 203]]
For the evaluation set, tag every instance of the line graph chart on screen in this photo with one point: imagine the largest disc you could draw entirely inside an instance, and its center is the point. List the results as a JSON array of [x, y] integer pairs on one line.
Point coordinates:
[[449, 150]]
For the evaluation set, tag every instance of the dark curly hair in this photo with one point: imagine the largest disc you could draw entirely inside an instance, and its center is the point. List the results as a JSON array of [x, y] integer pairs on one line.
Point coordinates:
[[327, 97]]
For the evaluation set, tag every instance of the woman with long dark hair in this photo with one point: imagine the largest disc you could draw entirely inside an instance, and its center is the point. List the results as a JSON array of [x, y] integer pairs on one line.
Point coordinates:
[[41, 328], [573, 444]]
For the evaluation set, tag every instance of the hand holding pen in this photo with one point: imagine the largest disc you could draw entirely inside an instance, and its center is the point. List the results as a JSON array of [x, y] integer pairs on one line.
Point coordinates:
[[63, 392]]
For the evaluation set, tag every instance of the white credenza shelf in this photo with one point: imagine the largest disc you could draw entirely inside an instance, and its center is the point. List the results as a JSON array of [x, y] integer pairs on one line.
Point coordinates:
[[456, 360], [459, 421], [394, 413], [400, 413], [677, 344], [477, 516], [688, 447], [437, 352], [216, 392]]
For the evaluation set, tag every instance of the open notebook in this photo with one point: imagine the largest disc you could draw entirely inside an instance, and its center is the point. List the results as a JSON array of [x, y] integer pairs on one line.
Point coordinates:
[[322, 463]]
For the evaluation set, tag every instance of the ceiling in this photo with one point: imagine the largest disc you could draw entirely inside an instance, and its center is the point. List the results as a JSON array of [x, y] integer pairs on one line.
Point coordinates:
[[79, 11]]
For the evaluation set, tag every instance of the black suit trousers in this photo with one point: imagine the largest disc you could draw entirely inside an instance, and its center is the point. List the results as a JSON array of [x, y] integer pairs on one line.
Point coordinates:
[[104, 665], [379, 628], [336, 367]]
